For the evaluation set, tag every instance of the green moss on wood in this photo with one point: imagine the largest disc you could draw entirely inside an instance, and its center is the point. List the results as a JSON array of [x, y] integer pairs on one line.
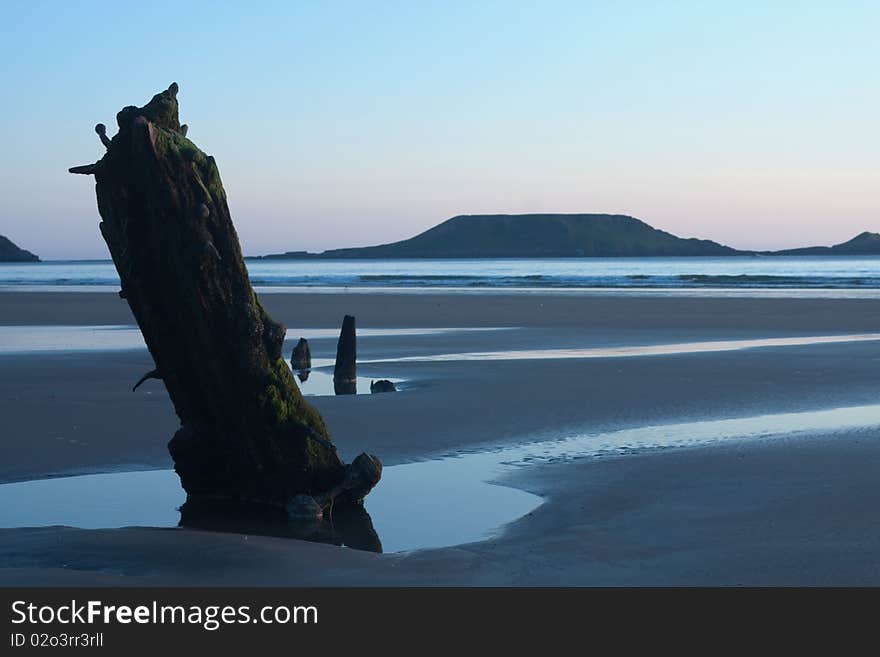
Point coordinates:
[[247, 430]]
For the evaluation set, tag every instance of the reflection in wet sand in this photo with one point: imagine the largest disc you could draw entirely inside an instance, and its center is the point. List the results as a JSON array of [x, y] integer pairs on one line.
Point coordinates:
[[320, 383], [348, 525]]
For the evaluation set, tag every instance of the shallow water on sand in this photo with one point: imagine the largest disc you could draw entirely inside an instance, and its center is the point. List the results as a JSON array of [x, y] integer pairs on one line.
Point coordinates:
[[428, 504], [788, 274], [18, 340], [319, 383], [23, 340], [706, 346]]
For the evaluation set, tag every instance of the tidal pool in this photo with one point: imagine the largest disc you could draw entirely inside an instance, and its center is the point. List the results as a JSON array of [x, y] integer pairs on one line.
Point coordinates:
[[428, 504]]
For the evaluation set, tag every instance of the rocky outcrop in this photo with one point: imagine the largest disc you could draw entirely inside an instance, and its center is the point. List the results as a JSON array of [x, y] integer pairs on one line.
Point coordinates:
[[345, 371], [247, 435], [10, 252]]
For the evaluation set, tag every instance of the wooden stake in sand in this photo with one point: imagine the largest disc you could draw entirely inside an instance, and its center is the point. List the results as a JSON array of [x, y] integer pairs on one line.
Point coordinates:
[[345, 371]]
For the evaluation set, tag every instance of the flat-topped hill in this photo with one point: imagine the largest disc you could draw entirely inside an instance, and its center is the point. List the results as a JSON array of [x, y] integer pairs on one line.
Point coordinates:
[[535, 236], [562, 236]]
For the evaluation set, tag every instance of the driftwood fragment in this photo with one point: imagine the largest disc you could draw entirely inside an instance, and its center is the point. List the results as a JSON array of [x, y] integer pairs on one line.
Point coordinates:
[[85, 169], [101, 129]]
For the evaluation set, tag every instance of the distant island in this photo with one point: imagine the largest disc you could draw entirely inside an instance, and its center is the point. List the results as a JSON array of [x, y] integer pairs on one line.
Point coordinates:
[[559, 236], [9, 252], [863, 244]]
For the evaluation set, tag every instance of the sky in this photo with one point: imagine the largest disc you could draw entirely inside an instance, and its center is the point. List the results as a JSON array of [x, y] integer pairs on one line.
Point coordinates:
[[341, 124]]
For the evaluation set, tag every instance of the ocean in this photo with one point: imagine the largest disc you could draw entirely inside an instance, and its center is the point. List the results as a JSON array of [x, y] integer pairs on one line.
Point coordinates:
[[781, 276]]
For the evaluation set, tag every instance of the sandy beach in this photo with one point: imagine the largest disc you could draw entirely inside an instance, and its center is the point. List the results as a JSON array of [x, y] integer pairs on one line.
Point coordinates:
[[785, 510]]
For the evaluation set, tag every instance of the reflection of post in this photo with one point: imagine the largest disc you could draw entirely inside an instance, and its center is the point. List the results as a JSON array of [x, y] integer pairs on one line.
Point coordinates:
[[345, 372], [353, 525], [348, 524]]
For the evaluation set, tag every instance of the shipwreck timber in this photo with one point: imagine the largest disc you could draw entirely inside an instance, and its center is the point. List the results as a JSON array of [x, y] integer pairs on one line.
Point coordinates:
[[246, 435]]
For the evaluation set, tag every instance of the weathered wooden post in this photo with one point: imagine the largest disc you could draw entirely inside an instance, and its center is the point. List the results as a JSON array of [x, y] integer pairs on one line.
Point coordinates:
[[246, 432], [345, 371]]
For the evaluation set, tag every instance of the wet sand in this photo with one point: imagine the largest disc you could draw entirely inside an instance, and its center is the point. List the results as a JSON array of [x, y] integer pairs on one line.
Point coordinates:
[[495, 308], [796, 511]]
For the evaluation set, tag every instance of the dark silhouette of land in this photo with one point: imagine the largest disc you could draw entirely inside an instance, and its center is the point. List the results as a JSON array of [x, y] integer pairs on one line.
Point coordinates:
[[10, 252], [533, 236], [863, 244], [560, 236]]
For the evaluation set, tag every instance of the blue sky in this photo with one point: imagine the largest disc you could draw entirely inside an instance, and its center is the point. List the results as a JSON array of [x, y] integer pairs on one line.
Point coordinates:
[[343, 124]]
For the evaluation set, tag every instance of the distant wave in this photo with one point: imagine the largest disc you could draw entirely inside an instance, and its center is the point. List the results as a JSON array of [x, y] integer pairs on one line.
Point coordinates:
[[59, 281], [769, 280], [614, 273], [367, 278], [535, 281]]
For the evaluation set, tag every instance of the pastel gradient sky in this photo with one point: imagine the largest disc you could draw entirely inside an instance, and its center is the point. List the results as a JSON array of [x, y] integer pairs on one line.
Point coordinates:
[[350, 123]]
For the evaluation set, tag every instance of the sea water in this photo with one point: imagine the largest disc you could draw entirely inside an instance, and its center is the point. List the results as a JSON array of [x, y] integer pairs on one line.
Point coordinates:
[[750, 273]]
